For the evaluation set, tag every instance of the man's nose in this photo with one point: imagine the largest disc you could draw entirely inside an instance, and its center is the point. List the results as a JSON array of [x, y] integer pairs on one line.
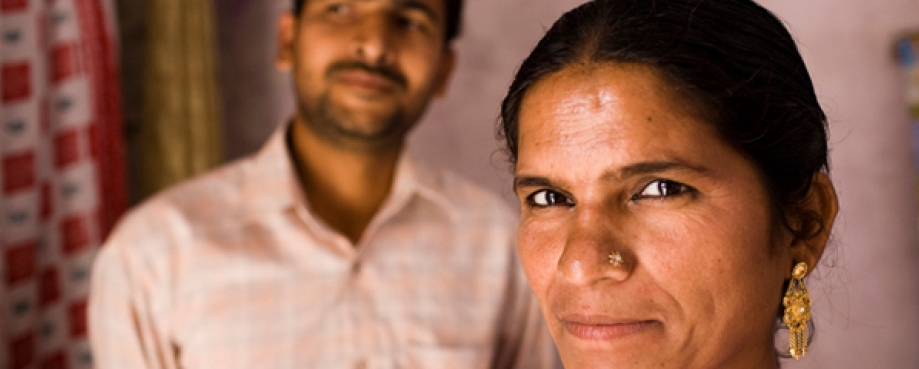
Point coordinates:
[[374, 41]]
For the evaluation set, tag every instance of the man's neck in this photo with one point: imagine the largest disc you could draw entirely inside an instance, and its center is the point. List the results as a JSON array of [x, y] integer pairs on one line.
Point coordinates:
[[345, 188]]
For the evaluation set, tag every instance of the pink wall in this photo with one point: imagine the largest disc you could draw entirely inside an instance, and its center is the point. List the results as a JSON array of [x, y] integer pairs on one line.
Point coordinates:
[[867, 294]]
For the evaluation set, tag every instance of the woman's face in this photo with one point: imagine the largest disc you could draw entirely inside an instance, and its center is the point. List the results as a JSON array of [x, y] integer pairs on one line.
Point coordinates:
[[610, 161]]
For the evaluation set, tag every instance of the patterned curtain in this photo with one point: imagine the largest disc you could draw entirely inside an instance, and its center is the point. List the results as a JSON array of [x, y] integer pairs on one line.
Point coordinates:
[[61, 173]]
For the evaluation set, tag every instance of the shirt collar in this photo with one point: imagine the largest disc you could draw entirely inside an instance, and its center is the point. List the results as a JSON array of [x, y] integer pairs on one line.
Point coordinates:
[[271, 177], [415, 178]]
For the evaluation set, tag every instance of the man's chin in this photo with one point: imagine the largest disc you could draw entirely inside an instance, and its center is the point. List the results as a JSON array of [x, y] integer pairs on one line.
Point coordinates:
[[381, 127], [368, 127], [366, 137]]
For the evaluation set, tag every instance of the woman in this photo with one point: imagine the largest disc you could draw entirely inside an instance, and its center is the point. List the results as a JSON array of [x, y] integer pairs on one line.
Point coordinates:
[[670, 162]]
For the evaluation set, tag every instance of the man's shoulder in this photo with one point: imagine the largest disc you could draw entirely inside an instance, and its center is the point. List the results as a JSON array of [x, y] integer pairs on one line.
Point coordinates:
[[174, 213], [469, 197]]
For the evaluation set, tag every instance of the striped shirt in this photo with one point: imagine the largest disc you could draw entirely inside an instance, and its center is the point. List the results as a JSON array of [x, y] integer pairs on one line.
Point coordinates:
[[232, 270]]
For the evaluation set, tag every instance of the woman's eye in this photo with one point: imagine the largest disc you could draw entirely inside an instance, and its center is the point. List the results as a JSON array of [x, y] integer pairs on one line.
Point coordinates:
[[662, 188], [546, 198]]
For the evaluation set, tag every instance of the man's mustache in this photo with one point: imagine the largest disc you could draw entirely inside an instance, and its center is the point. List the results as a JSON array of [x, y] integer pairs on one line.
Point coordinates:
[[390, 74]]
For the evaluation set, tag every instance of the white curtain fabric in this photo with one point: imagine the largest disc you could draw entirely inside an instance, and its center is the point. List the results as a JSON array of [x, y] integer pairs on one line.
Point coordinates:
[[61, 173]]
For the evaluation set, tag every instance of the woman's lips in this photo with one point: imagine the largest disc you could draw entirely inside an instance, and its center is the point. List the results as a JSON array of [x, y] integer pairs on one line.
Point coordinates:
[[602, 328]]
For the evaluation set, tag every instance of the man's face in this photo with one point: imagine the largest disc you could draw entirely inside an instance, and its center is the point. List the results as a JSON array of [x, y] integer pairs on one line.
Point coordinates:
[[364, 70]]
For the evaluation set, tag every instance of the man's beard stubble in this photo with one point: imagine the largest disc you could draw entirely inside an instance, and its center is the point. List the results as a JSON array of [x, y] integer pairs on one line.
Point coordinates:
[[333, 123]]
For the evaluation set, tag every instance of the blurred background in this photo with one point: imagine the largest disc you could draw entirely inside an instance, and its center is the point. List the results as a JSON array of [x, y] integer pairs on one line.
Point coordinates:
[[199, 88]]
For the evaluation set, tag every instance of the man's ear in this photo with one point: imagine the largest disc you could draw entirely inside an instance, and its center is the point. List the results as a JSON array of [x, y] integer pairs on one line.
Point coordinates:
[[446, 70], [823, 203], [287, 25]]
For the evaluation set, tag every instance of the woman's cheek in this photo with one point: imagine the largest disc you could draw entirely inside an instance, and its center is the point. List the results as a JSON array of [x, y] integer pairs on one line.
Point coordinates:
[[538, 249]]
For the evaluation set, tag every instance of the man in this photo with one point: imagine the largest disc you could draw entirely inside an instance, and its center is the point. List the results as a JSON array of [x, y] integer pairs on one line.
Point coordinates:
[[331, 247]]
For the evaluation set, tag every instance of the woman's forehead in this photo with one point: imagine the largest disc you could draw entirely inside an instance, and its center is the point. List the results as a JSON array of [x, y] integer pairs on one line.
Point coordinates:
[[620, 116], [597, 99]]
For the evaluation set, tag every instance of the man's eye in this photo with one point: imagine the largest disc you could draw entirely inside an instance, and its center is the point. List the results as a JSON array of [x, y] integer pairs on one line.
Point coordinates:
[[339, 9], [408, 23], [545, 198], [662, 188]]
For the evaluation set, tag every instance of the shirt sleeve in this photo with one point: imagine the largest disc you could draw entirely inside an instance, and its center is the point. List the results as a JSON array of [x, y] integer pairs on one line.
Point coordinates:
[[123, 328], [525, 342]]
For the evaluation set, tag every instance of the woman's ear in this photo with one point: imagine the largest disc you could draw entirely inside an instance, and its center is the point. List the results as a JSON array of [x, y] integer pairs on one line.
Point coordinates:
[[822, 203], [287, 24]]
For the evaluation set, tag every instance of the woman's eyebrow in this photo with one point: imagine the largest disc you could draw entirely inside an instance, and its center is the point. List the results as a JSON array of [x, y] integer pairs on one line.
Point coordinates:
[[652, 167], [531, 181], [632, 170]]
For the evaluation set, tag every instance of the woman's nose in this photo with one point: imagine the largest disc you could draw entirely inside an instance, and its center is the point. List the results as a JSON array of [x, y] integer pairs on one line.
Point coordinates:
[[594, 251]]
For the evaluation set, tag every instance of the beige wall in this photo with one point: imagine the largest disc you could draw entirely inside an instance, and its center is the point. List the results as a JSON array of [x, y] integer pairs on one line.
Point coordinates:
[[867, 297]]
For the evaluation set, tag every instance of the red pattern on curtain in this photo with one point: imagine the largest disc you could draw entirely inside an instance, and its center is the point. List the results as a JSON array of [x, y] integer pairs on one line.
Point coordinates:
[[61, 173]]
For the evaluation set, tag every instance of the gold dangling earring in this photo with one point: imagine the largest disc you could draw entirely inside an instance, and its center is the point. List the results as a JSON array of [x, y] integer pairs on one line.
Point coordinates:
[[797, 303]]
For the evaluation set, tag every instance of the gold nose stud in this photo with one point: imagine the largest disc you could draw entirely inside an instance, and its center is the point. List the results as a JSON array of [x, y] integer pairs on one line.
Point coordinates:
[[615, 258]]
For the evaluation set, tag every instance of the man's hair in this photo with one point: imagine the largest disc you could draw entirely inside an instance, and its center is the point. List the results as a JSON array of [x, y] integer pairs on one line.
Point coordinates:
[[452, 26]]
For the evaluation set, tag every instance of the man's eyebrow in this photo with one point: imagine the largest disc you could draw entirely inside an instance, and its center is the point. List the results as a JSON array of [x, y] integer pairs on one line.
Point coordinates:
[[417, 5]]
